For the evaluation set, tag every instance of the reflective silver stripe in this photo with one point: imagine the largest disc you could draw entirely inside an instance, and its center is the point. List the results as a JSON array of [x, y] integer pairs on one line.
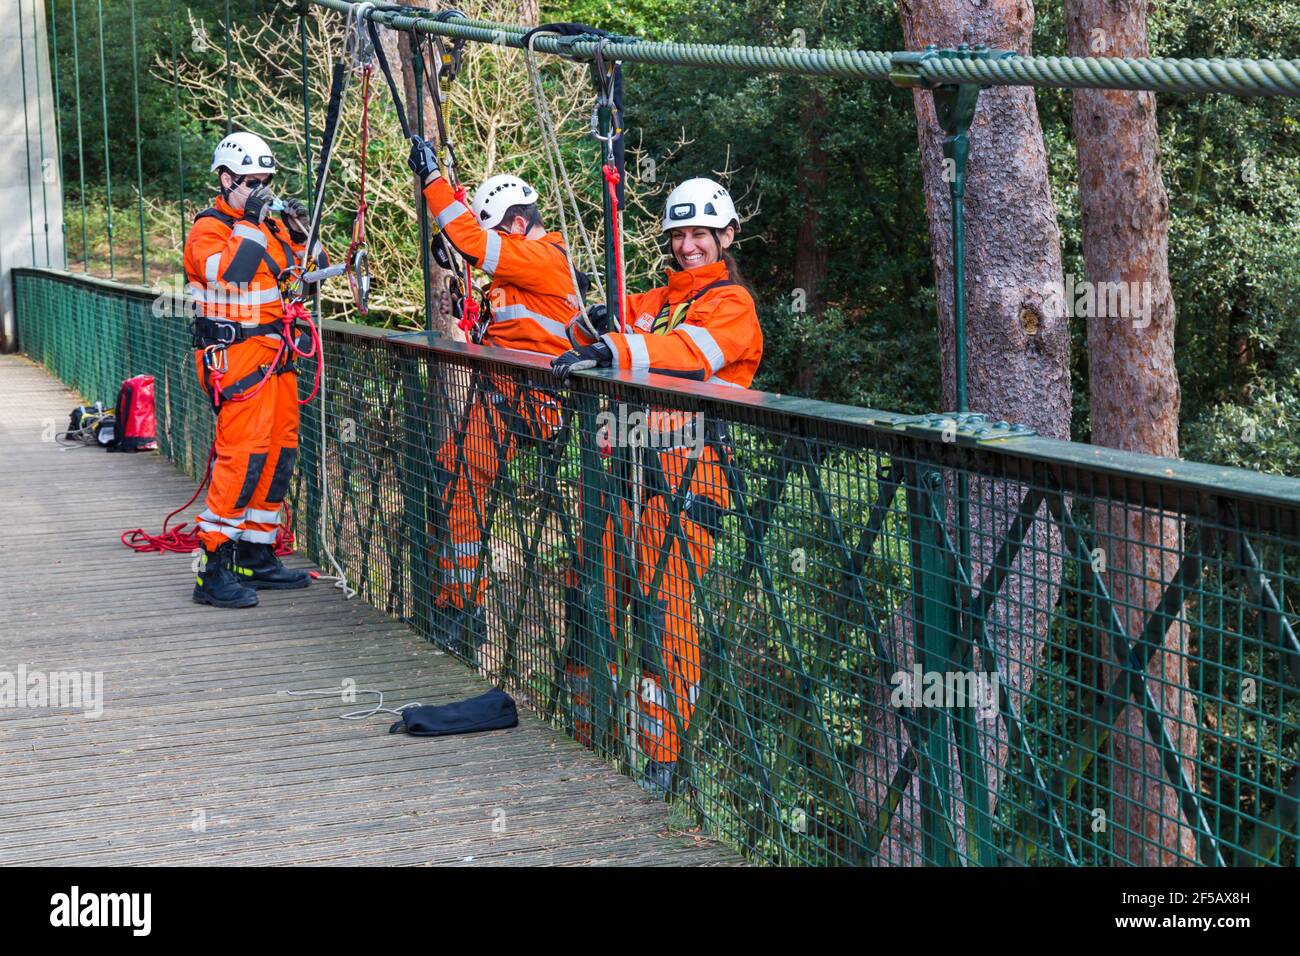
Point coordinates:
[[465, 549], [492, 258], [451, 212], [459, 576], [613, 347], [263, 517], [252, 235], [234, 534], [210, 516], [637, 347], [210, 267], [238, 296], [507, 312], [258, 537], [706, 343]]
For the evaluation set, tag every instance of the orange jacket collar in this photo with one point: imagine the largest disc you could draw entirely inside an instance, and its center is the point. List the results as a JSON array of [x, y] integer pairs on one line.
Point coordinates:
[[222, 206], [684, 282]]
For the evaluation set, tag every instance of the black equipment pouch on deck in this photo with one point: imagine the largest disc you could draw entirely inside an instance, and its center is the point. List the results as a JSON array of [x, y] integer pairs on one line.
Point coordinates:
[[494, 710]]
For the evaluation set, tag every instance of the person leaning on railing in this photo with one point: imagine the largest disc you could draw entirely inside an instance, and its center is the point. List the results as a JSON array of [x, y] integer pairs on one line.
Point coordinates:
[[234, 255], [531, 299], [702, 325]]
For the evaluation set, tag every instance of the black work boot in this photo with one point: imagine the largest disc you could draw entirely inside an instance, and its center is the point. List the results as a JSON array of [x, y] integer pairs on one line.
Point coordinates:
[[217, 584], [258, 567]]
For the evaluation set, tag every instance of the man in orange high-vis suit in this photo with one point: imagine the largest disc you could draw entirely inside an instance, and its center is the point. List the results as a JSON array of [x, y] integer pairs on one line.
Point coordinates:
[[702, 325], [234, 255], [532, 297]]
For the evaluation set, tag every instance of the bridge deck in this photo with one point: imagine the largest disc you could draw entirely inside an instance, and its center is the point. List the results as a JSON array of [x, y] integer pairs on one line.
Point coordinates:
[[199, 758]]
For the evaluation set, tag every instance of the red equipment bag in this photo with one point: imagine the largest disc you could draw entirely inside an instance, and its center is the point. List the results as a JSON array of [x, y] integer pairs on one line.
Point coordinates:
[[135, 416]]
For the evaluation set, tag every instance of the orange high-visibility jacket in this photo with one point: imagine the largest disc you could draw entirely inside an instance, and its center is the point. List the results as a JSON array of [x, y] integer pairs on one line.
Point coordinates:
[[232, 268], [531, 293], [716, 340]]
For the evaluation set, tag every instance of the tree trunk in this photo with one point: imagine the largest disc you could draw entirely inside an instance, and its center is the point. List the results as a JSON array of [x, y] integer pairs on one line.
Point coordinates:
[[399, 49], [528, 12], [810, 255], [1018, 369], [1134, 395]]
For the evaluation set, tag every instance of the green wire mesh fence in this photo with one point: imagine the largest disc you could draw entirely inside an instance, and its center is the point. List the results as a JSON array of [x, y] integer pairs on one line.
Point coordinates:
[[756, 606]]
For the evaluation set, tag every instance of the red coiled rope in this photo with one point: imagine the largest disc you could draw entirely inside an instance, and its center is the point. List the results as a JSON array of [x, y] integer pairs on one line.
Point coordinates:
[[180, 541]]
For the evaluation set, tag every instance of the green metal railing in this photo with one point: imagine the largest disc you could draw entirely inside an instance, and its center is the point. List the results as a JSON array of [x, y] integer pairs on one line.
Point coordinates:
[[1125, 671]]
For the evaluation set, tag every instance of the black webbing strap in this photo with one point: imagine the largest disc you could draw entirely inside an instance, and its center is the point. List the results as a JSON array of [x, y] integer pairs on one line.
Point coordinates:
[[388, 77], [337, 83]]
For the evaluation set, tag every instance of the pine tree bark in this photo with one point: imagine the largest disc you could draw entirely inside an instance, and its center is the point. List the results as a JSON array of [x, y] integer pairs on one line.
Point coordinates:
[[1134, 402], [399, 48], [1018, 369]]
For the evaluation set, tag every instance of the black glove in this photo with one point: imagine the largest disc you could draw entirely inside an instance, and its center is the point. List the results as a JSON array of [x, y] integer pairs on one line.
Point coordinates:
[[598, 355], [423, 161], [595, 320], [257, 206], [296, 218]]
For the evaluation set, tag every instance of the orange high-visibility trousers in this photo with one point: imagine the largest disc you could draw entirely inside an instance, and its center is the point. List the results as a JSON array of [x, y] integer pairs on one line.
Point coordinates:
[[663, 712], [474, 458], [256, 447]]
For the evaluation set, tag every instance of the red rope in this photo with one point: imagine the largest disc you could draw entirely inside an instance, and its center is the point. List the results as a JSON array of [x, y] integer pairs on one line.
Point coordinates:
[[611, 182], [180, 541], [469, 309]]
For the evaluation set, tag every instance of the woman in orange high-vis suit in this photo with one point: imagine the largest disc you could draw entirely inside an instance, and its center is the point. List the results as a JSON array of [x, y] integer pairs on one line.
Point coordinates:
[[532, 298], [233, 257], [702, 325]]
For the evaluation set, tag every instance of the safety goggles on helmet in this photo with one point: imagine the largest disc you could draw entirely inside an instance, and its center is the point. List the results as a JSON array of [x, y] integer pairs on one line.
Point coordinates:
[[699, 202]]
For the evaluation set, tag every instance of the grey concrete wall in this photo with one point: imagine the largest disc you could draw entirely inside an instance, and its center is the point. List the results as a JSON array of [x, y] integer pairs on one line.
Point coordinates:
[[31, 191]]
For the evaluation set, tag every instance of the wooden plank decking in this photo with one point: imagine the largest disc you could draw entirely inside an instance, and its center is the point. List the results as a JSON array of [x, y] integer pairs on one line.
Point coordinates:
[[199, 758]]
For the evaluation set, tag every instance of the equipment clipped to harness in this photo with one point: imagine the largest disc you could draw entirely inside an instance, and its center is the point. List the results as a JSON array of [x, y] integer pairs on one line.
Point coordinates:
[[357, 259], [608, 79]]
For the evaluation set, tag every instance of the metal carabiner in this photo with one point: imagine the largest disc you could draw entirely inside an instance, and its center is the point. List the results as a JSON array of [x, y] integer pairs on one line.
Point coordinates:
[[215, 359], [359, 279], [357, 47]]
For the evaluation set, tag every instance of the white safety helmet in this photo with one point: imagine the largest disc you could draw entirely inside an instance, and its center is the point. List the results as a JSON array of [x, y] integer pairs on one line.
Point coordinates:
[[244, 154], [494, 197], [700, 202]]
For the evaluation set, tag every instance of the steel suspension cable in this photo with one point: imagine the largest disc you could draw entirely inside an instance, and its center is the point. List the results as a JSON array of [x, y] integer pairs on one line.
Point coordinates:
[[81, 153], [1240, 77], [27, 135], [40, 132], [139, 167], [58, 124], [180, 148], [103, 108], [229, 79]]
